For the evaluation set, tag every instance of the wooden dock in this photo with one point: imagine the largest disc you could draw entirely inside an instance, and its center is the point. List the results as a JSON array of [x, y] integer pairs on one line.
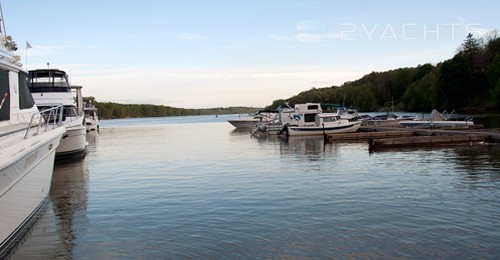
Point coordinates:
[[426, 141], [370, 135], [386, 137]]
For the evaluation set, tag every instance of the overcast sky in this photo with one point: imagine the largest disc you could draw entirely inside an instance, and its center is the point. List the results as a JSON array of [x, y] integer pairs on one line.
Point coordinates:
[[201, 54]]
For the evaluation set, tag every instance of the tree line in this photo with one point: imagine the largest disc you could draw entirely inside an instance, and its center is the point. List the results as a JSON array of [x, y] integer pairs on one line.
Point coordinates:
[[468, 82], [111, 110]]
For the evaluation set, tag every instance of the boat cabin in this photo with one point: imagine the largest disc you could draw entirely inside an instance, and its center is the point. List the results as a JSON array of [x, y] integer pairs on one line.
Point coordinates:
[[302, 114], [326, 118]]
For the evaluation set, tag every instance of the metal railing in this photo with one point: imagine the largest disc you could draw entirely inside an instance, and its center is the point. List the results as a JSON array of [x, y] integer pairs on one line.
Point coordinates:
[[47, 119]]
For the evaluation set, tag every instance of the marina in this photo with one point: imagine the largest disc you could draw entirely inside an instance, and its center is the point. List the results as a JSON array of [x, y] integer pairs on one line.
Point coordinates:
[[155, 188], [162, 159]]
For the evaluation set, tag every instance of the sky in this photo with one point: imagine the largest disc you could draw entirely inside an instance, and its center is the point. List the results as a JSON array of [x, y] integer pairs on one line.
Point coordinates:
[[218, 53]]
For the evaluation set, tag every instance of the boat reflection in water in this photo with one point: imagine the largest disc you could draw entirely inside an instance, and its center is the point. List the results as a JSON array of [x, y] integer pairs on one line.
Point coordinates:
[[53, 235]]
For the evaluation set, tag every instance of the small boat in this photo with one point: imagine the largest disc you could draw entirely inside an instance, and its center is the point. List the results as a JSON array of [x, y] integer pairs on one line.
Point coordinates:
[[324, 123], [91, 117], [300, 114], [28, 144], [248, 122], [387, 120], [50, 87], [438, 120]]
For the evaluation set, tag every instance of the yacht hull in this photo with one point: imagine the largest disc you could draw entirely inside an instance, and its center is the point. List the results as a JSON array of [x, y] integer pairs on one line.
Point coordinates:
[[73, 142]]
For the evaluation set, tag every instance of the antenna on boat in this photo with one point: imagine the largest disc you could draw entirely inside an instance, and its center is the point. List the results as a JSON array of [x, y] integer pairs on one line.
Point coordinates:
[[3, 22], [7, 40]]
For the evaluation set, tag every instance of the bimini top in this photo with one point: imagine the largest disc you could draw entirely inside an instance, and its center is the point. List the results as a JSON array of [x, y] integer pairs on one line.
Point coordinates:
[[48, 80]]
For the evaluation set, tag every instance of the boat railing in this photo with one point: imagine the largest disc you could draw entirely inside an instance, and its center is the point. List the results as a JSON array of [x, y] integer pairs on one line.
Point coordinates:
[[47, 119], [451, 115]]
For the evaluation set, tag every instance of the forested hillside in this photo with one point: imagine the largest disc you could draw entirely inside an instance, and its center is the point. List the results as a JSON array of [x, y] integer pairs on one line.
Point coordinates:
[[470, 81], [110, 110]]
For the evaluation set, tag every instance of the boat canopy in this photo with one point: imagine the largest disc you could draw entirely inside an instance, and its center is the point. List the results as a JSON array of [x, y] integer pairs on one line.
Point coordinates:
[[48, 80], [436, 116]]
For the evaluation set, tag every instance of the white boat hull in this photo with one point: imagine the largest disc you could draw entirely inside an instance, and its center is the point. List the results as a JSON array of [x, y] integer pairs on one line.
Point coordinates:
[[315, 130], [382, 123], [244, 123], [437, 124], [25, 178], [92, 125], [73, 142]]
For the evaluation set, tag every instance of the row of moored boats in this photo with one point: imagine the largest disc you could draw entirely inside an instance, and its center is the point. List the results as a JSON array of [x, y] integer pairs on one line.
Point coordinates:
[[40, 121], [318, 119]]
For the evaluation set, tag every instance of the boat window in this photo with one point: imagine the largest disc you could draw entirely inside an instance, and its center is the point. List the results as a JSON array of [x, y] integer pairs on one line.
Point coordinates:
[[25, 98], [309, 118], [4, 96], [39, 88], [312, 107], [330, 119], [70, 111]]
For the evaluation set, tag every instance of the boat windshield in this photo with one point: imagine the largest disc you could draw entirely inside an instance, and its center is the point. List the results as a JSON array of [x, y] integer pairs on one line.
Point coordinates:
[[68, 111], [48, 81], [330, 119]]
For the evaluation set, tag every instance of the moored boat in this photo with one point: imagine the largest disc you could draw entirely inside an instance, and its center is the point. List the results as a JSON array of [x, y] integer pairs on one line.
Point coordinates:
[[50, 87], [325, 123], [438, 120], [27, 149], [387, 120], [91, 117], [300, 114], [248, 122]]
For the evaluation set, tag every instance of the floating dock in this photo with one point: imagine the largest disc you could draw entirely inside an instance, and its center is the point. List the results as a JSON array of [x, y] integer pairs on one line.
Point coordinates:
[[386, 137], [370, 135], [426, 140]]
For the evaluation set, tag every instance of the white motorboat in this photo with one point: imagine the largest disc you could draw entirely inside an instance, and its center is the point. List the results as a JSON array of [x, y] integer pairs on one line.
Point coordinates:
[[284, 115], [248, 122], [438, 120], [91, 117], [309, 119], [27, 149], [324, 123], [50, 87]]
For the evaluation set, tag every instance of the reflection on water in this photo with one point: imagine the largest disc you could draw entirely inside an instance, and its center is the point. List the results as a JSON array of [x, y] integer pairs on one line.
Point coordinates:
[[53, 235], [152, 190]]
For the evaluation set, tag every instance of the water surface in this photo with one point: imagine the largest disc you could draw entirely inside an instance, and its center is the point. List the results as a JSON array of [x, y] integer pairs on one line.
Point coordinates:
[[193, 187]]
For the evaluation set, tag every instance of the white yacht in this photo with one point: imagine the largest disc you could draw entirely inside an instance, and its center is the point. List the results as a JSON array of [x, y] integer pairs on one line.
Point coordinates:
[[50, 87], [27, 149]]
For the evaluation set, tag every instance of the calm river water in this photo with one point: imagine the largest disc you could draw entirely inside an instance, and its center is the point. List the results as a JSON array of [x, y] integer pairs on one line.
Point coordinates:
[[193, 187]]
